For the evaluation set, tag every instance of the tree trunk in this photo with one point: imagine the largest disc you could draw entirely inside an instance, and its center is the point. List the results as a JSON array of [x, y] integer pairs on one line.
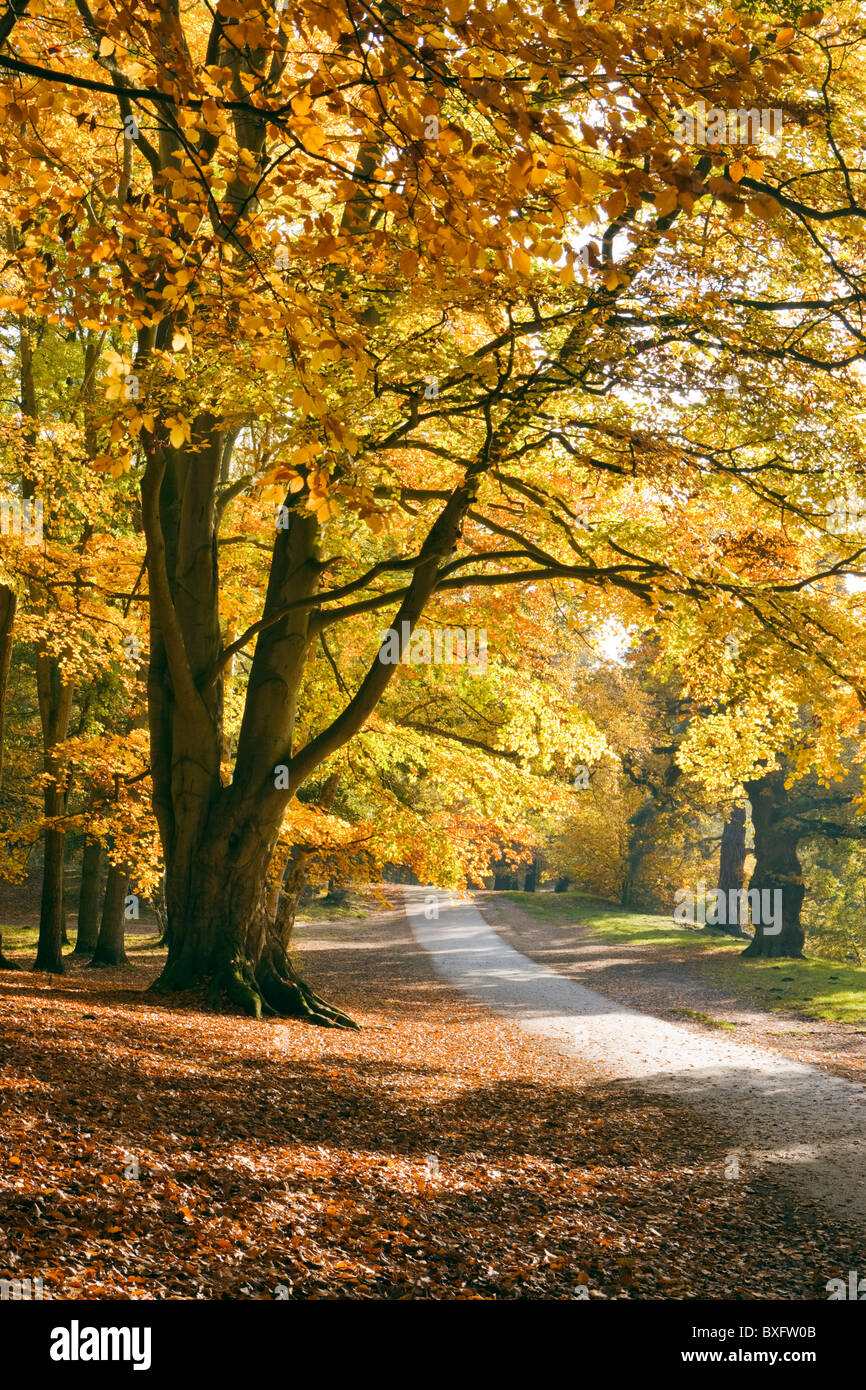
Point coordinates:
[[732, 860], [55, 705], [530, 883], [110, 949], [218, 839], [8, 603], [227, 939], [289, 895], [337, 894], [49, 953], [157, 902], [777, 869], [639, 839], [64, 912], [88, 900]]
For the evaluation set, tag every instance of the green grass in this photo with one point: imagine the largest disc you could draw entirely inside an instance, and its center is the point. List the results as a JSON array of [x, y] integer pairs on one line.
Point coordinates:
[[21, 942], [705, 1018], [18, 938], [318, 910], [615, 923], [814, 988]]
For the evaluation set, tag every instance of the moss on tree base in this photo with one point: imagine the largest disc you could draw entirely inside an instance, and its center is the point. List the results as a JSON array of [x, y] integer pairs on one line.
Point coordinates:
[[272, 990]]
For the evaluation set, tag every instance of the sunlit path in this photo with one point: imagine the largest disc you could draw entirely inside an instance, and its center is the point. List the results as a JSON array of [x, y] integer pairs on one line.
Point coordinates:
[[770, 1109]]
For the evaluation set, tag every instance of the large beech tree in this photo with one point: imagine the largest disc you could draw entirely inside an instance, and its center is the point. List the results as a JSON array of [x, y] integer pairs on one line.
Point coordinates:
[[335, 249]]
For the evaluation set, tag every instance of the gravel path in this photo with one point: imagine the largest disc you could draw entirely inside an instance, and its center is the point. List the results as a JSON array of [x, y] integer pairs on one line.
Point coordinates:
[[809, 1125], [669, 981]]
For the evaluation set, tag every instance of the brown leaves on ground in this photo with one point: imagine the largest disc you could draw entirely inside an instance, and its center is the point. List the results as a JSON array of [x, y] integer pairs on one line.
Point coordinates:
[[437, 1154]]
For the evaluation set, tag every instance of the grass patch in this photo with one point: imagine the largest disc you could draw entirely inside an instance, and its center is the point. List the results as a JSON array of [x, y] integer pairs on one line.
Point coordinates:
[[18, 939], [320, 910], [814, 988], [615, 923], [20, 942], [705, 1018]]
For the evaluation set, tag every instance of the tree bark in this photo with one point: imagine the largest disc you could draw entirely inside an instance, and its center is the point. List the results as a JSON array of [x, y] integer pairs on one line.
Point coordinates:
[[157, 902], [55, 706], [293, 883], [88, 900], [49, 953], [732, 860], [110, 948], [8, 604], [777, 868], [635, 853]]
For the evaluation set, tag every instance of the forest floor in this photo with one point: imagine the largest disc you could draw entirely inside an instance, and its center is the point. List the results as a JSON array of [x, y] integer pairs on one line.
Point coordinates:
[[149, 1151], [811, 1010]]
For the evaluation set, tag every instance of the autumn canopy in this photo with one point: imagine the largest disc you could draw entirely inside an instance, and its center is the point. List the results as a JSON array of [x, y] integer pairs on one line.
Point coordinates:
[[324, 322]]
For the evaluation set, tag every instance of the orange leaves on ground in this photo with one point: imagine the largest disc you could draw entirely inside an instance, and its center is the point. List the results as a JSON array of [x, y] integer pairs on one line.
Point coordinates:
[[437, 1154]]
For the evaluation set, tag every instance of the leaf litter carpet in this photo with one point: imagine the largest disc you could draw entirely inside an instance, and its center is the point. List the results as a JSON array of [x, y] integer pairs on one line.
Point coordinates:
[[149, 1151]]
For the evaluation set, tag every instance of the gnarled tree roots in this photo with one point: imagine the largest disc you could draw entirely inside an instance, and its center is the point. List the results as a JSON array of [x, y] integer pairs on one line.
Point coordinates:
[[273, 989], [276, 990]]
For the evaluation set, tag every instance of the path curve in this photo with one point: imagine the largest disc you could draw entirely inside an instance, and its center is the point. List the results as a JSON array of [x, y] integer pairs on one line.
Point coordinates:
[[770, 1109]]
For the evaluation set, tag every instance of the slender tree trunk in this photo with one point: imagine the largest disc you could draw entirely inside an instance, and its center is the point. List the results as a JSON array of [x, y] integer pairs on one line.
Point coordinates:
[[530, 883], [157, 902], [293, 884], [54, 693], [55, 705], [64, 908], [732, 860], [287, 896], [778, 876], [635, 854], [337, 893], [8, 604], [49, 954], [110, 948], [88, 901]]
